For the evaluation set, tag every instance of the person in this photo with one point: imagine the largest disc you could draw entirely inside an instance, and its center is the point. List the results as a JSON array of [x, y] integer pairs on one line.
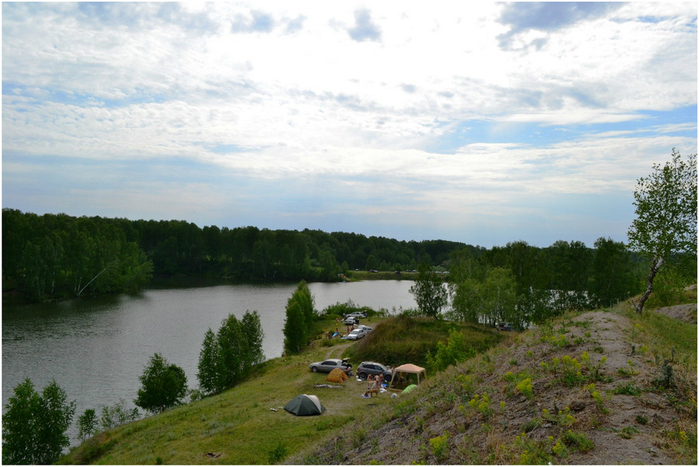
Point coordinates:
[[371, 387]]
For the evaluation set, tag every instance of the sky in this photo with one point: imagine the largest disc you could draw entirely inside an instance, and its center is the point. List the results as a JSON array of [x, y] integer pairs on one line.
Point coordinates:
[[478, 122]]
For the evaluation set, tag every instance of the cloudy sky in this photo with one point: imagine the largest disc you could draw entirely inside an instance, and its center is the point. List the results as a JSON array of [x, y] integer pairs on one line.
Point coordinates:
[[411, 120]]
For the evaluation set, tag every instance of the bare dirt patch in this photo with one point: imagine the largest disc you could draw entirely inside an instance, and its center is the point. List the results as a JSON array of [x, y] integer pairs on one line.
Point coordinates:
[[686, 312]]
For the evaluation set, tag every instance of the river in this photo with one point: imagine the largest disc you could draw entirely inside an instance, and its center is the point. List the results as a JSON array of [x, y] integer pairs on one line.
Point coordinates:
[[96, 347]]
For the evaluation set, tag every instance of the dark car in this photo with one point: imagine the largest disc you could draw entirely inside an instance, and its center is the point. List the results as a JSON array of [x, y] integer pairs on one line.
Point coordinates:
[[372, 368], [326, 366]]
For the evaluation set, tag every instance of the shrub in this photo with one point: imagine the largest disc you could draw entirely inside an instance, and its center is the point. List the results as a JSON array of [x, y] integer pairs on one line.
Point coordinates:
[[525, 387], [163, 385], [577, 441], [117, 415], [439, 446]]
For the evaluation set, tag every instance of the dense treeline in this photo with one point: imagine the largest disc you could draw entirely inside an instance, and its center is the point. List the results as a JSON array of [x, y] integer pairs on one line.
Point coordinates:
[[55, 256], [59, 256]]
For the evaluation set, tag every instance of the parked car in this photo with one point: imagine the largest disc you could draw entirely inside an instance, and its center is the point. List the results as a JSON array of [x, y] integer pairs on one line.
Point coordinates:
[[356, 334], [365, 328], [504, 327], [329, 365], [372, 368], [357, 314], [351, 320]]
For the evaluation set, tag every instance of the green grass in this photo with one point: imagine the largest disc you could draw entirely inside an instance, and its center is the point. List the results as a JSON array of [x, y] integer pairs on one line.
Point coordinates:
[[238, 427], [388, 343]]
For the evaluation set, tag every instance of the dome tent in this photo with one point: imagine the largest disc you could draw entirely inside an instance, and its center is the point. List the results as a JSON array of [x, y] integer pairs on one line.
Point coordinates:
[[305, 405]]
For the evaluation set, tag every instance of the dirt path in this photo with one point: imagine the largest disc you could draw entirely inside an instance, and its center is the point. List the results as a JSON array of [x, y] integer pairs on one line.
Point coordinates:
[[336, 351], [624, 426]]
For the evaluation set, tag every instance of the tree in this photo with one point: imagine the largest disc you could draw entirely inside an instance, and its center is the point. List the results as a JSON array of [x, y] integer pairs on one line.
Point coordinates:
[[300, 315], [612, 277], [34, 425], [488, 301], [210, 369], [429, 291], [294, 328], [163, 385], [227, 356], [87, 424], [252, 329], [666, 216], [232, 343]]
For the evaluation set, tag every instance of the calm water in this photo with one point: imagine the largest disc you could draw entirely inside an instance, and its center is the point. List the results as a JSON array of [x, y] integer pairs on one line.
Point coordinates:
[[96, 348]]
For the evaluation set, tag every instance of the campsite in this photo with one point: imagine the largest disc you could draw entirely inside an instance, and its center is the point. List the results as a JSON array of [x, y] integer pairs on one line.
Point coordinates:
[[248, 424]]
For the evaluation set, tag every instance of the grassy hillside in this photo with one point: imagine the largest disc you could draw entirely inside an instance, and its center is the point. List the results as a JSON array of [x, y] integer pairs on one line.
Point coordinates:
[[603, 387], [247, 424]]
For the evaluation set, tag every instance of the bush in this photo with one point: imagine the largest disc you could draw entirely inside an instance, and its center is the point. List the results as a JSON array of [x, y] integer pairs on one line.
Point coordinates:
[[456, 350], [163, 385], [117, 415]]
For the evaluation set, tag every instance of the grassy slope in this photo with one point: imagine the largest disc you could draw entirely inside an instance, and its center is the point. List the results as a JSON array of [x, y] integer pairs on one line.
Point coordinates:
[[485, 411], [436, 424], [237, 426]]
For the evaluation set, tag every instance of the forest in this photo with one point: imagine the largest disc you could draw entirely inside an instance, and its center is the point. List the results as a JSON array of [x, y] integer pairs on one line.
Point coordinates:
[[57, 256]]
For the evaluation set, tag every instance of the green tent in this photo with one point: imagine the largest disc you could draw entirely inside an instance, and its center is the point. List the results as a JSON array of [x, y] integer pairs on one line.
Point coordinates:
[[305, 405]]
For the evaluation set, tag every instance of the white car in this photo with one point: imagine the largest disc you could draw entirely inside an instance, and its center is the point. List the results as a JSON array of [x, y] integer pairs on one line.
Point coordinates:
[[356, 334], [366, 329]]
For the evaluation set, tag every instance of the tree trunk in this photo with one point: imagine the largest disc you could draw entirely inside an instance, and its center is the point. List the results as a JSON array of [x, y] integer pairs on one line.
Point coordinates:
[[654, 268]]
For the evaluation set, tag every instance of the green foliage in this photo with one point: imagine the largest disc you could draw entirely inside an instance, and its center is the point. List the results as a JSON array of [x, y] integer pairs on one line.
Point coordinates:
[[300, 316], [629, 389], [57, 256], [454, 351], [388, 343], [439, 446], [665, 227], [613, 276], [668, 288], [228, 356], [163, 385], [116, 415], [429, 291], [560, 418], [533, 451], [88, 424], [491, 300], [252, 330], [525, 387], [34, 425], [577, 441]]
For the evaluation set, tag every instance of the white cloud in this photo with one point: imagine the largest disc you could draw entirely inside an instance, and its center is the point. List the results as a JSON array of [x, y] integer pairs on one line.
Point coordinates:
[[356, 94]]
